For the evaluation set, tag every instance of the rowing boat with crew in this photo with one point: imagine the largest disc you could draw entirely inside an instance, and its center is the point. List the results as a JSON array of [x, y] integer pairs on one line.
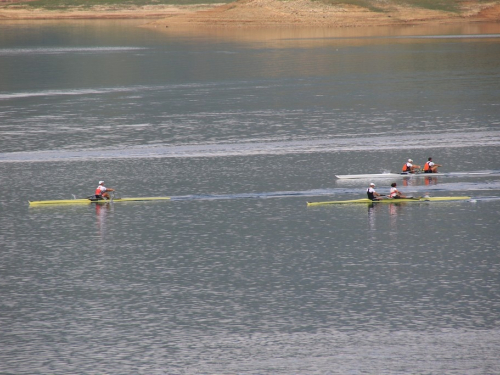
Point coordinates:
[[392, 200], [92, 199], [102, 195]]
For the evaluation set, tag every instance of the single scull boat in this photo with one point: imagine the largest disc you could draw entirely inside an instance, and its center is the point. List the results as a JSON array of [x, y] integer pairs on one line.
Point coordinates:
[[392, 200], [99, 201]]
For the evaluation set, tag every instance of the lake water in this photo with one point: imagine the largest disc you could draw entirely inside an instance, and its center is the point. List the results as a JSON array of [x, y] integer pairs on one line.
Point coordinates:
[[235, 274]]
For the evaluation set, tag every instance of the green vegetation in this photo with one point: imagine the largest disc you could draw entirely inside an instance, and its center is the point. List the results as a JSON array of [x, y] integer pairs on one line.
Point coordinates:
[[374, 5], [445, 5]]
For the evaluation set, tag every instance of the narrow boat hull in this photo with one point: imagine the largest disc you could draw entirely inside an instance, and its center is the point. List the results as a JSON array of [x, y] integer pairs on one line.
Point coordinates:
[[401, 200], [418, 174], [373, 175], [101, 201]]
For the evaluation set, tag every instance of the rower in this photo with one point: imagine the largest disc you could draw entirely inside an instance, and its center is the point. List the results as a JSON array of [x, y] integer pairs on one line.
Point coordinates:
[[409, 167], [430, 166], [102, 192], [372, 194], [395, 193]]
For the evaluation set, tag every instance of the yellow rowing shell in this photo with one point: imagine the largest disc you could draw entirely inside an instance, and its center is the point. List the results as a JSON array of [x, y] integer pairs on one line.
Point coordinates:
[[87, 201], [401, 200]]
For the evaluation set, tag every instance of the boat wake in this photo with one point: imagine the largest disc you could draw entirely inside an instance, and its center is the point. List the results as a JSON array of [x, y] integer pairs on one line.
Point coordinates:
[[62, 50], [265, 147], [462, 187]]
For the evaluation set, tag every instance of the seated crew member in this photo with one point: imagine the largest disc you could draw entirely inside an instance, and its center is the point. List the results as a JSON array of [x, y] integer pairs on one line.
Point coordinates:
[[372, 194], [102, 191], [410, 167], [395, 193], [430, 166]]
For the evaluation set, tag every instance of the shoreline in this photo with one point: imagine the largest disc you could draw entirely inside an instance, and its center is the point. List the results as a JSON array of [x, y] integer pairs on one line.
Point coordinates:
[[264, 13]]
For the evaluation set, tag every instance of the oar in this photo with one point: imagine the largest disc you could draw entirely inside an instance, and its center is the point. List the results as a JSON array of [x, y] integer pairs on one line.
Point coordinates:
[[114, 196]]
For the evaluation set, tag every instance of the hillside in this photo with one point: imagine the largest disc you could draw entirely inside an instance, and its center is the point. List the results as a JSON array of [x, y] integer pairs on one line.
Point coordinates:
[[259, 13], [249, 13]]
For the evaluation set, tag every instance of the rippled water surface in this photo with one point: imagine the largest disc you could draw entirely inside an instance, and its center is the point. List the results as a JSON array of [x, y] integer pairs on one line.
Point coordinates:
[[235, 274]]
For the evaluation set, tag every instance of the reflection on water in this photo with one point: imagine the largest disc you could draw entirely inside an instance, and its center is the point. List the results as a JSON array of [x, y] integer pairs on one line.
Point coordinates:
[[387, 212], [427, 180], [312, 37], [103, 213]]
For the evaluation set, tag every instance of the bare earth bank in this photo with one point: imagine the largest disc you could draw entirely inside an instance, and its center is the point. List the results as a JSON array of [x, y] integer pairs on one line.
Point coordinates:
[[22, 12], [261, 13], [249, 13]]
